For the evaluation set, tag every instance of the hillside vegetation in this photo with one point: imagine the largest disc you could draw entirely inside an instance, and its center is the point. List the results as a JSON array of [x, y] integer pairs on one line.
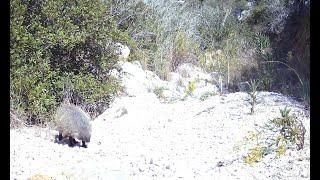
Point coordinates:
[[64, 49]]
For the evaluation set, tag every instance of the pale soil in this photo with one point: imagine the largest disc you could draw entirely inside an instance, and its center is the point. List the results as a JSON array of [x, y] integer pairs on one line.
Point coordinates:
[[141, 138]]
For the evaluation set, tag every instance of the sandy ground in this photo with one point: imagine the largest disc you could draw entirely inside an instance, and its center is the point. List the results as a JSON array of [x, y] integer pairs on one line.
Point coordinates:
[[141, 138]]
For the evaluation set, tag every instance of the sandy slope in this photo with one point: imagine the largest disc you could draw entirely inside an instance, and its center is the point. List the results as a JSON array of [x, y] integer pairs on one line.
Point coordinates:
[[150, 140], [139, 137]]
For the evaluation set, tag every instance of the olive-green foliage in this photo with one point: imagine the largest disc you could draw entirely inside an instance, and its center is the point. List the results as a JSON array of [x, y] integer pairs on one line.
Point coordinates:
[[57, 46], [306, 92], [291, 128], [161, 43], [211, 27], [254, 142], [181, 45], [262, 41], [253, 87], [281, 145], [289, 20], [191, 87], [219, 29], [254, 156], [140, 21], [207, 95], [276, 136], [159, 92], [260, 14], [285, 114]]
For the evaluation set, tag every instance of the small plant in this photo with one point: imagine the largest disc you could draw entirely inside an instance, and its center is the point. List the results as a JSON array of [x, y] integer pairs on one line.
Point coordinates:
[[285, 120], [281, 145], [159, 92], [290, 128], [255, 155], [260, 144], [180, 82], [276, 136], [252, 137], [191, 87], [40, 176], [285, 112], [253, 87], [262, 41], [206, 95], [289, 55]]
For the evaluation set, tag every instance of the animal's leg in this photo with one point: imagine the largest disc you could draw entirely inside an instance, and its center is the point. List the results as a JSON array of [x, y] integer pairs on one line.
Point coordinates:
[[72, 141], [60, 136], [84, 144]]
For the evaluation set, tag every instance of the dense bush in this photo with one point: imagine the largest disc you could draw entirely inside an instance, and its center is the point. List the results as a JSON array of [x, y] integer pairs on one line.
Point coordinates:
[[57, 47], [139, 21], [65, 47], [293, 48], [220, 30], [281, 32], [271, 44], [162, 37], [168, 33]]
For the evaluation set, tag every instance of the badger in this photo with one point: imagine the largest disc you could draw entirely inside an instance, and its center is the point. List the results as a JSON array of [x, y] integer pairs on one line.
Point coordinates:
[[71, 121]]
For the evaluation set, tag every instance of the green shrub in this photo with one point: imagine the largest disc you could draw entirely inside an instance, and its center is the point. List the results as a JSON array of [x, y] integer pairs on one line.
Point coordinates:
[[253, 87], [262, 42], [275, 136], [180, 51], [260, 14], [57, 46], [235, 39], [291, 128], [159, 92], [207, 95], [141, 21], [191, 87], [281, 145], [254, 156]]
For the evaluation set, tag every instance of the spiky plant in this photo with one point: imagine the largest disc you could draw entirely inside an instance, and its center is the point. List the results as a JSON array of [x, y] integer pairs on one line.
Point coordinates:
[[292, 129], [253, 87]]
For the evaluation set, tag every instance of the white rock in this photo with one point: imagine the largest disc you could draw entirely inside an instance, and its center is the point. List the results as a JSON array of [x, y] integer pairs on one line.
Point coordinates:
[[174, 78], [198, 92], [123, 51], [115, 73], [138, 64]]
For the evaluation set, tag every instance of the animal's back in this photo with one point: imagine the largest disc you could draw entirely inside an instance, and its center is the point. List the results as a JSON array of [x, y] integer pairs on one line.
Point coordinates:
[[72, 121]]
